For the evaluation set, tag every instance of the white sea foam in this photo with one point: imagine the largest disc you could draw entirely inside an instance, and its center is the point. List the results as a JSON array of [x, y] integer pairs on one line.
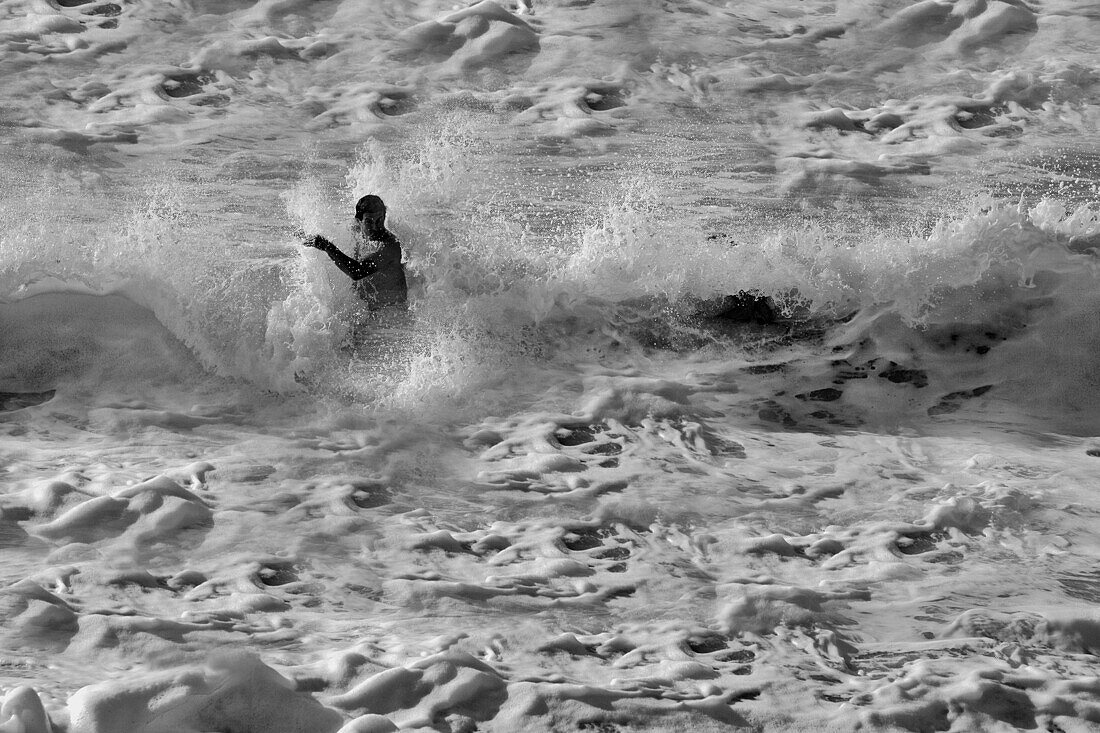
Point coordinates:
[[556, 494]]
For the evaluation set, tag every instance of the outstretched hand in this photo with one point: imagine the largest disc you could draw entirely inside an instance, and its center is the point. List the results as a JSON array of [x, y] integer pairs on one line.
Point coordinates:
[[317, 241]]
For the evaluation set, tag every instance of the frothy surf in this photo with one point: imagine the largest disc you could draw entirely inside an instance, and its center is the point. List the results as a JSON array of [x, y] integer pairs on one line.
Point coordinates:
[[557, 493]]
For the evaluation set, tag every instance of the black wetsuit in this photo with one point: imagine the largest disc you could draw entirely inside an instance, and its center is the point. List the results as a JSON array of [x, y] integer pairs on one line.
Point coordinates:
[[379, 277]]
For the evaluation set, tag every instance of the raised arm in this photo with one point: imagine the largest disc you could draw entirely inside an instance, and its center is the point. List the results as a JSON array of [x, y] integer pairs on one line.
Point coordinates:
[[353, 268]]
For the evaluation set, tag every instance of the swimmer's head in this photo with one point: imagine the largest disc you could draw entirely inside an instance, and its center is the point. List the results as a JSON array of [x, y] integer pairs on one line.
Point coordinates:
[[368, 205], [370, 213]]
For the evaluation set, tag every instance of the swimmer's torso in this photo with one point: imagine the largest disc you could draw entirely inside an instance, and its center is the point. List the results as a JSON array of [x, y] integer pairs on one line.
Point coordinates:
[[386, 285]]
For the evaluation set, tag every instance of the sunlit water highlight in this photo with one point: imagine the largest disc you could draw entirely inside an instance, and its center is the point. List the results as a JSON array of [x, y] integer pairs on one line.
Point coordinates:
[[550, 496]]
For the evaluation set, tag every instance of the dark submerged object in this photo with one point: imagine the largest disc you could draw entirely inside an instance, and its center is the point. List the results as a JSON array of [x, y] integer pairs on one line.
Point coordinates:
[[11, 401], [379, 276], [740, 308]]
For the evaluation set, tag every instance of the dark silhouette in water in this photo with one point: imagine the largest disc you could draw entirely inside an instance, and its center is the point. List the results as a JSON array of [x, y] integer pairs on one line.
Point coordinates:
[[379, 276], [744, 308], [740, 308], [11, 401]]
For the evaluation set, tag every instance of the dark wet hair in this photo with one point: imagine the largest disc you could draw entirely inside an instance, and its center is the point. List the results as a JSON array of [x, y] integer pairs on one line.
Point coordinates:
[[370, 202]]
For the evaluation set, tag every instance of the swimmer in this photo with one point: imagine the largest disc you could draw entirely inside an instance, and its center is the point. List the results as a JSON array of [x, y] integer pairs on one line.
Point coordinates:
[[379, 276]]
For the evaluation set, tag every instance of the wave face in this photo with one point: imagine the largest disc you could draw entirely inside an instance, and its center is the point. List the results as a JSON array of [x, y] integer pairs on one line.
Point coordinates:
[[566, 489]]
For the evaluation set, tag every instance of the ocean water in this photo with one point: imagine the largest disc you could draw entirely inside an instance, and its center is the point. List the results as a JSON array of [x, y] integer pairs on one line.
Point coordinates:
[[552, 496]]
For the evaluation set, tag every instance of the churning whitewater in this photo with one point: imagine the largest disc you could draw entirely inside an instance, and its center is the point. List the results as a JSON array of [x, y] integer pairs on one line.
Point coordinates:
[[569, 488]]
